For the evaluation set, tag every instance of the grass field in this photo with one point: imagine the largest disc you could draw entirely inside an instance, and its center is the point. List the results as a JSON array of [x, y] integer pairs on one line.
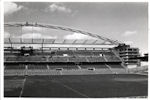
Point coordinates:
[[76, 86]]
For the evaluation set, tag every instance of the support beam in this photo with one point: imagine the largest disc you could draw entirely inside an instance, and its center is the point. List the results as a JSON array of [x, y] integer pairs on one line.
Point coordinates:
[[84, 41], [74, 41], [94, 41], [11, 45]]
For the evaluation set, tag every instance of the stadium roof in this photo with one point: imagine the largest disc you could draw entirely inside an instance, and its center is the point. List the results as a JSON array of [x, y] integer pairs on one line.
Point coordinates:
[[68, 29], [54, 41], [17, 42]]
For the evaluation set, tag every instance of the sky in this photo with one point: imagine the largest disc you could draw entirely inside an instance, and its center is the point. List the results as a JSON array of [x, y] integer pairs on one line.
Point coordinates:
[[125, 22]]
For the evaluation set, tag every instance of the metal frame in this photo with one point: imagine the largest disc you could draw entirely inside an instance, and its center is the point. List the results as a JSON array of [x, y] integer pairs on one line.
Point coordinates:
[[63, 28], [53, 41]]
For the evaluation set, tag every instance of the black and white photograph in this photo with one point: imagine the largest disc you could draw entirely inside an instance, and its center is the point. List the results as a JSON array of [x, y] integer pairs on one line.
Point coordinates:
[[75, 49]]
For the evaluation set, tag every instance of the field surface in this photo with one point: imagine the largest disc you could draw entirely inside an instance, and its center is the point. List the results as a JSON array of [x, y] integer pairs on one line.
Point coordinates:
[[76, 86]]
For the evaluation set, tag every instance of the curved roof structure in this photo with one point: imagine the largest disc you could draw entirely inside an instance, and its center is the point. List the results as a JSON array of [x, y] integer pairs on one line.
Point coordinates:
[[104, 39]]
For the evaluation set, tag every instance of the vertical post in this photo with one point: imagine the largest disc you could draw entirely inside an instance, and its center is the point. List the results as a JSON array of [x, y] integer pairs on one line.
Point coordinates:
[[32, 34], [21, 34], [10, 45], [42, 46]]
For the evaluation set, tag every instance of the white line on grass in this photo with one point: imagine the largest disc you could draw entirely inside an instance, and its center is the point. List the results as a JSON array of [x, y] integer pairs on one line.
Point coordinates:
[[22, 87]]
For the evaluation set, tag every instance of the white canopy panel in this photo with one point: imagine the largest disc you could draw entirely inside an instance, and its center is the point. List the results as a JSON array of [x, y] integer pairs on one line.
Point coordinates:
[[55, 41]]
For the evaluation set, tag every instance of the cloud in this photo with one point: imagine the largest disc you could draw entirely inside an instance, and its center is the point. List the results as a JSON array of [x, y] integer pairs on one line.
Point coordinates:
[[6, 34], [57, 7], [10, 7], [128, 42], [30, 28], [77, 36], [129, 33], [36, 35]]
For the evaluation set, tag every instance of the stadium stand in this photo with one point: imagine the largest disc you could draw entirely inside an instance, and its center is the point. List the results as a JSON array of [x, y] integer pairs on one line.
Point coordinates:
[[64, 53], [64, 66], [37, 66], [14, 72], [35, 58], [15, 66], [82, 53], [96, 59], [112, 59], [58, 59], [96, 66], [115, 65], [77, 59], [90, 62], [15, 58], [97, 53]]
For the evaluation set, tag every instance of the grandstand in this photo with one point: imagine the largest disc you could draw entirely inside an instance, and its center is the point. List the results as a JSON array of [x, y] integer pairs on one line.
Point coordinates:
[[60, 55], [64, 60]]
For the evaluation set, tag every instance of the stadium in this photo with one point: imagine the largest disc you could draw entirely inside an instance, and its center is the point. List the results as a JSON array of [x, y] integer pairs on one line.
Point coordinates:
[[98, 68]]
